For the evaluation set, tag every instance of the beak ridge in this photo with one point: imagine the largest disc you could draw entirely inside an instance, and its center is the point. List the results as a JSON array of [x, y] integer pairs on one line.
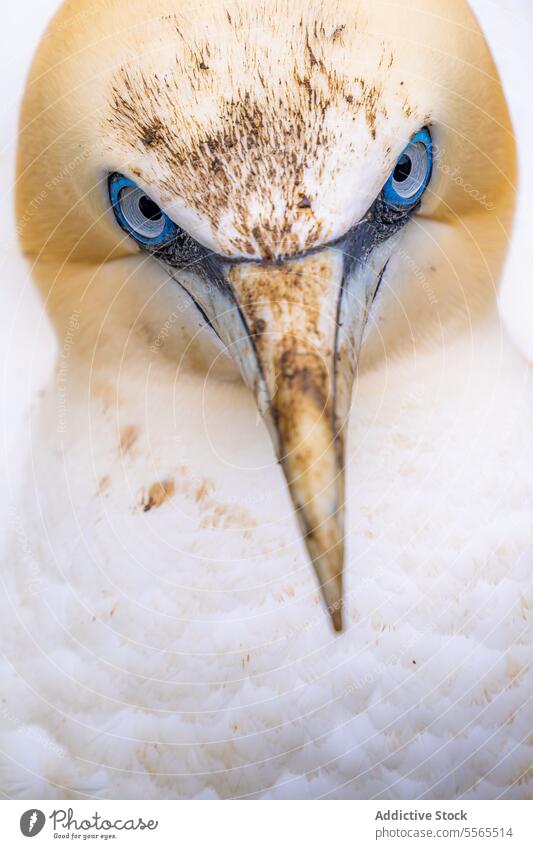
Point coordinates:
[[291, 312]]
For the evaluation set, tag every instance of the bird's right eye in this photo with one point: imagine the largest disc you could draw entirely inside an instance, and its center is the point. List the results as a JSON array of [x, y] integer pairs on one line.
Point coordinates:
[[137, 213], [411, 174]]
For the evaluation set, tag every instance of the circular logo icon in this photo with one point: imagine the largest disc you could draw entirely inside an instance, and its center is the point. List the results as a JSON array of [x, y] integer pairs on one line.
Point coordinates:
[[32, 822]]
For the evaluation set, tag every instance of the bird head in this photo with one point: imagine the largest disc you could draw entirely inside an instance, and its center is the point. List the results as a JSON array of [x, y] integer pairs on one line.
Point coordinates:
[[326, 185]]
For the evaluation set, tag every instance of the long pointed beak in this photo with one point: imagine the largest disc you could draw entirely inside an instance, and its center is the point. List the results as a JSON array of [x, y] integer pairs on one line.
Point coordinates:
[[290, 310], [295, 329]]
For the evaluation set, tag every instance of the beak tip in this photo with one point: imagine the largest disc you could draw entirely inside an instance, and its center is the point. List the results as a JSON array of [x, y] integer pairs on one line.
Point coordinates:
[[329, 569], [336, 619]]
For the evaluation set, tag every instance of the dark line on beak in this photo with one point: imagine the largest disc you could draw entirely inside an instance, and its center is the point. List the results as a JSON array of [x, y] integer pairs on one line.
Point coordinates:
[[198, 307], [380, 278], [219, 277]]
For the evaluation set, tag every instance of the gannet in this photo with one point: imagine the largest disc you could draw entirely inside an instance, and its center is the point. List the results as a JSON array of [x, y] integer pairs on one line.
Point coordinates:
[[292, 215]]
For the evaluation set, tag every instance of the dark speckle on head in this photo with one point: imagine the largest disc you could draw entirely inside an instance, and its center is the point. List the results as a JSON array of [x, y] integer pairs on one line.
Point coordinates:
[[337, 33], [151, 133], [246, 140], [157, 494]]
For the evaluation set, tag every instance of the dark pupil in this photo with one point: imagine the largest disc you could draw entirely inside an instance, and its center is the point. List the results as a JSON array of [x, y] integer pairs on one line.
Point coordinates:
[[149, 209], [403, 168]]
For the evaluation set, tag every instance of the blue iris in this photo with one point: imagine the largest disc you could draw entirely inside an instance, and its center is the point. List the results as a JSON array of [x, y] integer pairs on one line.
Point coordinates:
[[137, 213], [411, 173]]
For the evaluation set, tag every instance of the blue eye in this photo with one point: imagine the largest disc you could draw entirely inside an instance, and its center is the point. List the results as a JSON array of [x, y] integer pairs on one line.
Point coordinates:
[[137, 213], [411, 174]]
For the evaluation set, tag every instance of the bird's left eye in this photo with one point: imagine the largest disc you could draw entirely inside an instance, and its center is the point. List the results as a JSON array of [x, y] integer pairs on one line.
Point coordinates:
[[411, 173], [137, 213]]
